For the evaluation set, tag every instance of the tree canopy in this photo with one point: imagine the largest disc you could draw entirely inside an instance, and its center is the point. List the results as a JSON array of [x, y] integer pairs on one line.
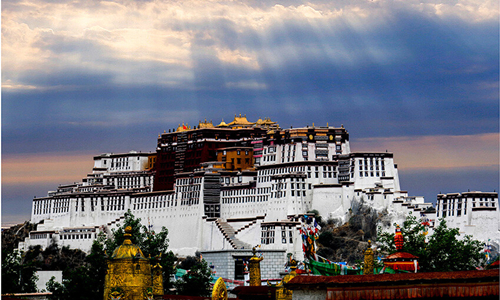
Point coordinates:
[[87, 281], [444, 250], [197, 281], [18, 273]]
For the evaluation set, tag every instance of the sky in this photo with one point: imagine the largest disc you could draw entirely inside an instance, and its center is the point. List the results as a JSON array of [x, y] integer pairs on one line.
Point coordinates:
[[416, 78]]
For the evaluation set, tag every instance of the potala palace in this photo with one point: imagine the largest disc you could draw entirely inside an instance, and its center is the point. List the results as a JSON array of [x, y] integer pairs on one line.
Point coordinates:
[[222, 189]]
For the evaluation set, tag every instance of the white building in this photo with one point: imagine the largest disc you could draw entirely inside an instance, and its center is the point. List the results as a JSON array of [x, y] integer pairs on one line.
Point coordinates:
[[473, 213], [212, 209]]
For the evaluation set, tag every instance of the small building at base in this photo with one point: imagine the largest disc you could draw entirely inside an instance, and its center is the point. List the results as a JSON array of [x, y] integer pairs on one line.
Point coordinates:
[[230, 264]]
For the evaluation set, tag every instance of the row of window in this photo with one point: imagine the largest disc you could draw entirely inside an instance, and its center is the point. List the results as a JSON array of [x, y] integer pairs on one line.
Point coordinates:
[[369, 174], [190, 201], [484, 199], [245, 199], [325, 174], [37, 236], [238, 152], [75, 236], [246, 192], [132, 182], [370, 168], [186, 181], [42, 207], [160, 198], [62, 205], [157, 204], [268, 235], [283, 185], [282, 194], [188, 188], [189, 196], [449, 209]]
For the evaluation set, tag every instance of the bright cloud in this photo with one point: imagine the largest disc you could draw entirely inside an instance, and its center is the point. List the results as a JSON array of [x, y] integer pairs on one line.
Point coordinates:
[[98, 36], [437, 152], [111, 75], [56, 168]]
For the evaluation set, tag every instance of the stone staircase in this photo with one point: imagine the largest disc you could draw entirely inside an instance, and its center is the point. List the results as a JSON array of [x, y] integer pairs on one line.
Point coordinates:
[[113, 224], [246, 226], [230, 235]]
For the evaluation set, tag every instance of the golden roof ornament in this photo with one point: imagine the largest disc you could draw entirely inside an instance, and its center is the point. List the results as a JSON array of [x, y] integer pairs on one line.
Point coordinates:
[[219, 291], [222, 124], [129, 273], [128, 250], [240, 121], [283, 293], [205, 124]]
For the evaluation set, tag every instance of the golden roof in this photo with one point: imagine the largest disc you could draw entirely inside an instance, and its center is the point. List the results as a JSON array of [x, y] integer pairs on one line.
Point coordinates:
[[205, 124], [240, 121], [222, 124], [183, 127], [266, 121], [128, 250]]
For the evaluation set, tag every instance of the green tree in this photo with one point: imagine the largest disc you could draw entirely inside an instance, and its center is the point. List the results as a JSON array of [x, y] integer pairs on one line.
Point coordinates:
[[83, 282], [87, 281], [446, 252], [197, 281], [153, 245], [443, 251], [414, 239], [139, 232], [18, 274]]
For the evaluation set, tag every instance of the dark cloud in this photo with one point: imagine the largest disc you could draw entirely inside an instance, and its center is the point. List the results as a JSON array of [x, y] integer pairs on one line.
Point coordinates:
[[429, 183], [16, 200], [394, 73]]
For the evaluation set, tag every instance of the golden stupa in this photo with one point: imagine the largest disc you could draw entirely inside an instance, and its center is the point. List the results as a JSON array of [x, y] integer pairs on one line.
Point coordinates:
[[254, 266], [129, 273]]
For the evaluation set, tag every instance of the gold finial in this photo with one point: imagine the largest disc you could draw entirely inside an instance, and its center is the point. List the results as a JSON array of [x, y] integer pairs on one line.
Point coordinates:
[[254, 250], [313, 124], [127, 236]]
